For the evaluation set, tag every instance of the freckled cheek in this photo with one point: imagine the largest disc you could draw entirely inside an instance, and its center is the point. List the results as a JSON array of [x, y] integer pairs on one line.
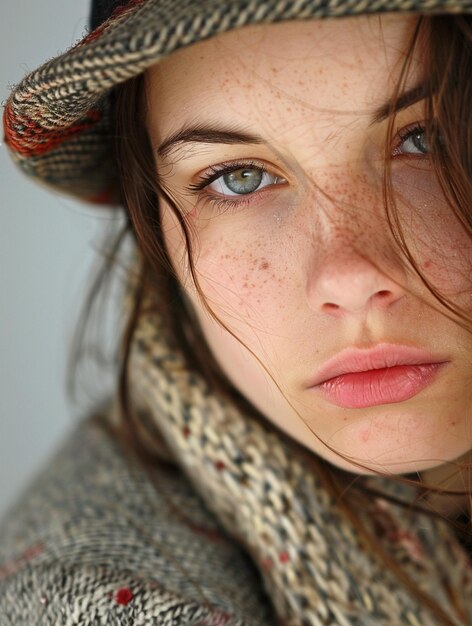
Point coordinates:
[[248, 267], [242, 275], [229, 270], [439, 244]]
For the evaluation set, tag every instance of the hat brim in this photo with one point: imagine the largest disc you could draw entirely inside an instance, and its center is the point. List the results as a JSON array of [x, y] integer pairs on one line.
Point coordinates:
[[56, 121]]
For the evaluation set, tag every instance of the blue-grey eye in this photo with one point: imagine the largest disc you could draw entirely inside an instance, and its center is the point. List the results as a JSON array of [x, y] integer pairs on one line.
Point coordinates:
[[242, 181], [415, 142]]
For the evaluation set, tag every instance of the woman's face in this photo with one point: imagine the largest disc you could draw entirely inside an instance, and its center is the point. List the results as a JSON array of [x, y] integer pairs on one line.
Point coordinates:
[[271, 140]]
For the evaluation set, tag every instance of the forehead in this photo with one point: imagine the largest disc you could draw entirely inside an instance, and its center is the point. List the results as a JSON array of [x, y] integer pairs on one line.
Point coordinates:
[[267, 72]]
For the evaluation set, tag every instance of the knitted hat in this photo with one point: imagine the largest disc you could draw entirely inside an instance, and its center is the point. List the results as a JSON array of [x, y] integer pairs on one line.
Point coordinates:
[[57, 122]]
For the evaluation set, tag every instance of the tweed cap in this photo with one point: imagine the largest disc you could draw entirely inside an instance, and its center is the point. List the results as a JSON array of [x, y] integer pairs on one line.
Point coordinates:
[[57, 121]]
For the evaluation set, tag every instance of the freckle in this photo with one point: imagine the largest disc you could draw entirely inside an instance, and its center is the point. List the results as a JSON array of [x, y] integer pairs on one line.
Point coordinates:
[[427, 265], [245, 285], [453, 423], [264, 265]]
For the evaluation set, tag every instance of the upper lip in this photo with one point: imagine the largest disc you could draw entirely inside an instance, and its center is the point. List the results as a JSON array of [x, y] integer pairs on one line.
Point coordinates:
[[382, 355]]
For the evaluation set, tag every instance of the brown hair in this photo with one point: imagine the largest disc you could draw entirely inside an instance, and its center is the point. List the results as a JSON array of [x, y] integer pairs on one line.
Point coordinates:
[[448, 102]]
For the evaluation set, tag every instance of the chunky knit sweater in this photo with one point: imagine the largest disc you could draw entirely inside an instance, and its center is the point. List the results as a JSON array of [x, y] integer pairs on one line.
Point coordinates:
[[96, 541]]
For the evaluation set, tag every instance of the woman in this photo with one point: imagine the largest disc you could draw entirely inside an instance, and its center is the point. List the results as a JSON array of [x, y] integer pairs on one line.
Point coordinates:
[[290, 439]]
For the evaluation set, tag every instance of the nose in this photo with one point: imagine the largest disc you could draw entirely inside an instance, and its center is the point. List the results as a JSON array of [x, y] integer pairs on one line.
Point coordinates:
[[352, 284]]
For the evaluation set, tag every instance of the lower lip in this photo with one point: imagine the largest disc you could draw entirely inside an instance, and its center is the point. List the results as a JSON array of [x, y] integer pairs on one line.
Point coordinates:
[[382, 386]]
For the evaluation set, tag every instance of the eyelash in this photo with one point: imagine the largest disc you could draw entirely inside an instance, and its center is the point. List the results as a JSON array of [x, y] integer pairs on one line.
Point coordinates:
[[408, 132], [216, 171], [226, 202]]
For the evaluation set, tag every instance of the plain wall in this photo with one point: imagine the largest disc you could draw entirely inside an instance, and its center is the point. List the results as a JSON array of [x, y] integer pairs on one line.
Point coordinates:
[[46, 251]]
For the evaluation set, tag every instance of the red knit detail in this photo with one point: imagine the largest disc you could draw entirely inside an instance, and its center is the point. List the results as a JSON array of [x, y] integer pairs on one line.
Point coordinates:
[[186, 432], [217, 619], [28, 138], [209, 533], [124, 596], [129, 6], [104, 197], [95, 34], [220, 466], [33, 551], [14, 565], [284, 557], [267, 563]]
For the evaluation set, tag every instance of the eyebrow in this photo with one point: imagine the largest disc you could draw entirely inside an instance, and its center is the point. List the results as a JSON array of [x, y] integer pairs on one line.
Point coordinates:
[[207, 134], [394, 105], [214, 134]]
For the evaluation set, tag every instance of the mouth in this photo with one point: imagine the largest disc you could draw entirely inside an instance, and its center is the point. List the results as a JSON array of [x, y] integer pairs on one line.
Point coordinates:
[[387, 374]]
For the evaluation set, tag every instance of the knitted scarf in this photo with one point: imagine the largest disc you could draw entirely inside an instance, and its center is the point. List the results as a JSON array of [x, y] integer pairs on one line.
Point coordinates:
[[269, 494]]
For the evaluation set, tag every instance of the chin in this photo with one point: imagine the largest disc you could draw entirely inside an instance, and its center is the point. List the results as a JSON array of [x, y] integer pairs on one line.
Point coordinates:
[[406, 459], [392, 441], [367, 467]]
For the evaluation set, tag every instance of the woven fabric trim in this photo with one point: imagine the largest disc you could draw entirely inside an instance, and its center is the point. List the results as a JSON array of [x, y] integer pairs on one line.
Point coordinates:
[[60, 109]]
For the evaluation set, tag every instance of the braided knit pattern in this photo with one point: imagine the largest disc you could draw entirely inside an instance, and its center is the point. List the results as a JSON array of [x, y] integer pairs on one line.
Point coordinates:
[[57, 122], [264, 489], [97, 541]]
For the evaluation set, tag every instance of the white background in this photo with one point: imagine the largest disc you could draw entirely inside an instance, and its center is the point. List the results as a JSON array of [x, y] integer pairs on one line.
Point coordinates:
[[47, 249]]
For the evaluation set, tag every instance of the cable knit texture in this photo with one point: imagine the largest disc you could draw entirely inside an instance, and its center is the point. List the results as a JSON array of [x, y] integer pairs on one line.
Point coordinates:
[[93, 542]]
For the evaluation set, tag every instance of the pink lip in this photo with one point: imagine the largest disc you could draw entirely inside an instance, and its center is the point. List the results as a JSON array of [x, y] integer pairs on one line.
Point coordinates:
[[386, 374]]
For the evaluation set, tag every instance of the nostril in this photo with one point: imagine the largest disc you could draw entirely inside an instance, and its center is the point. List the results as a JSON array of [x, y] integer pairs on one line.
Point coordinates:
[[330, 306], [384, 293]]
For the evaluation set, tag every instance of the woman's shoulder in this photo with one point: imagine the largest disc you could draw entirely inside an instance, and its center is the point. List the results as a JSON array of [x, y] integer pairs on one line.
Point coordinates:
[[96, 540]]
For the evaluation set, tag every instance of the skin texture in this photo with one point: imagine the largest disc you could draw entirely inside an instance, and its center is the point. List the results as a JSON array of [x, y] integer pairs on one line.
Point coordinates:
[[307, 266]]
